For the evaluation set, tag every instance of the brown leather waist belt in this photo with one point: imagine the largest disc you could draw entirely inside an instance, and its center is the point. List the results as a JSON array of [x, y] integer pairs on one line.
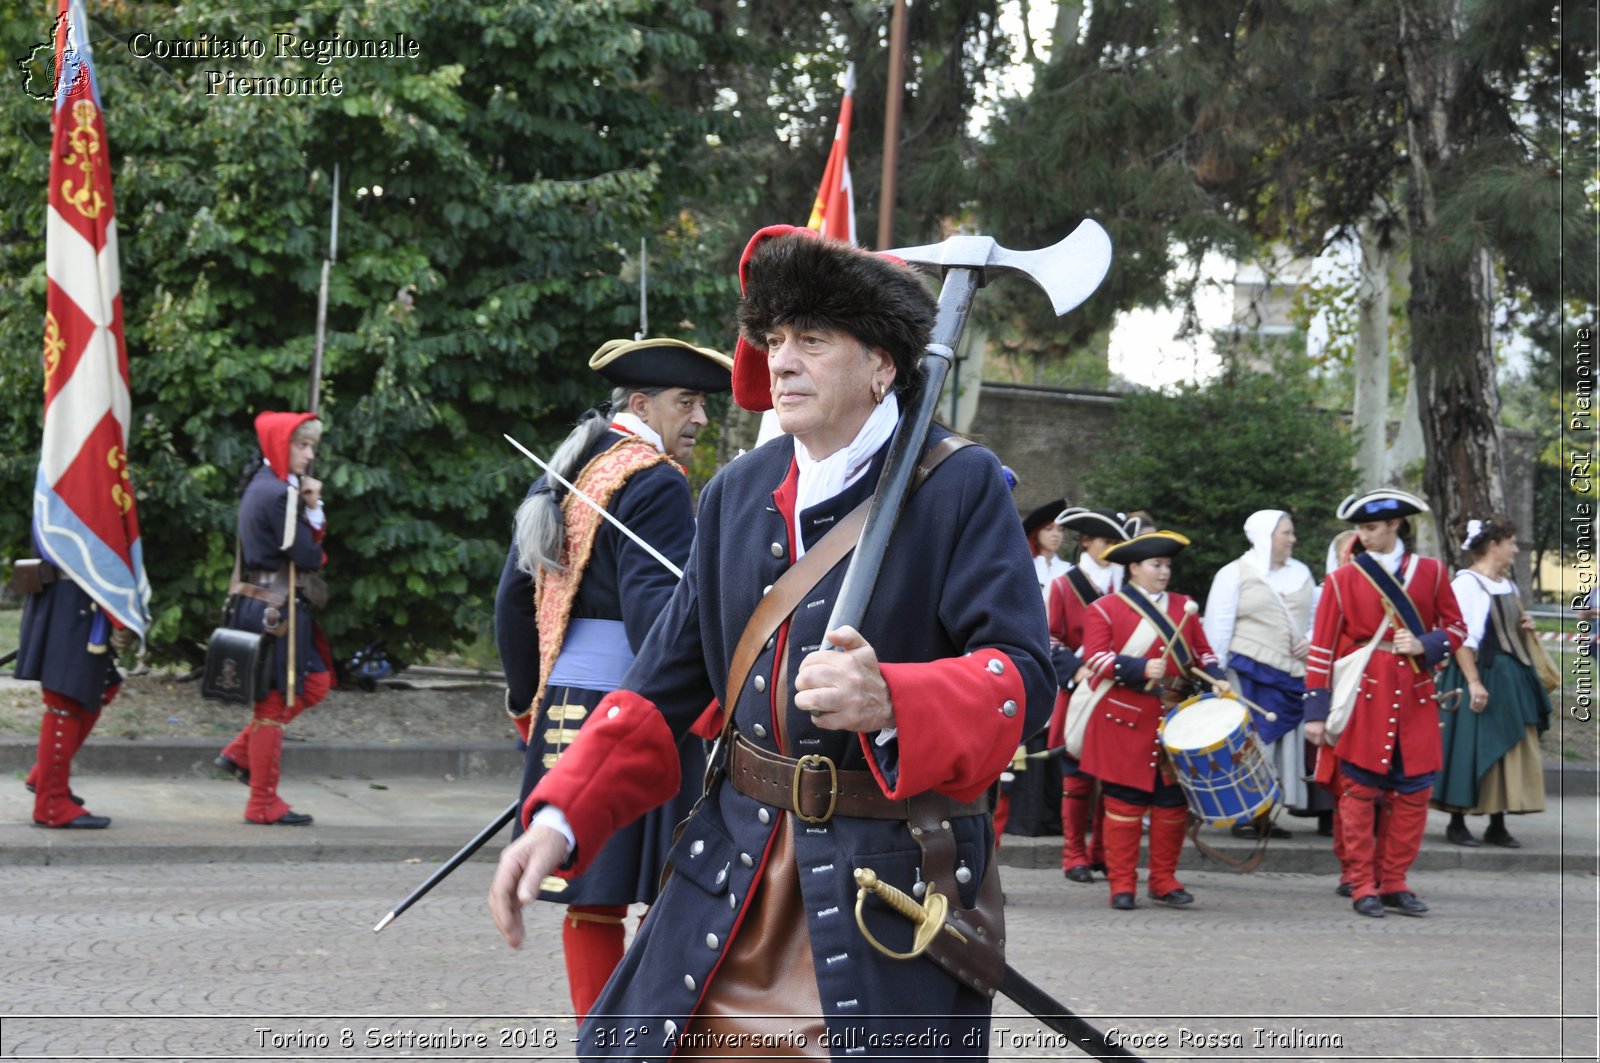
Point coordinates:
[[260, 594], [814, 789]]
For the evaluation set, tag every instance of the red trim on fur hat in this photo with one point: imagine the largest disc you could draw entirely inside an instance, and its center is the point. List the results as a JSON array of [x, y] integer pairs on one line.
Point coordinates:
[[752, 384], [819, 280]]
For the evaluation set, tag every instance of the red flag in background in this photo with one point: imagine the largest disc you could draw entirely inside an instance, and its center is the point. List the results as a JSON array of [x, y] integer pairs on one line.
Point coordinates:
[[84, 518], [834, 212]]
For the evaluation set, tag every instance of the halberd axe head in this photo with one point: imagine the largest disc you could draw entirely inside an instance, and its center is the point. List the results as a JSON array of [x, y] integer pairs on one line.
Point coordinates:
[[1069, 271]]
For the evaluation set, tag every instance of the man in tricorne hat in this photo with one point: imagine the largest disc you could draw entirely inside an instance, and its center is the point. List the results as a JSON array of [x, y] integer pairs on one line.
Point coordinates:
[[1126, 639], [835, 736], [1071, 595], [1389, 745], [577, 598]]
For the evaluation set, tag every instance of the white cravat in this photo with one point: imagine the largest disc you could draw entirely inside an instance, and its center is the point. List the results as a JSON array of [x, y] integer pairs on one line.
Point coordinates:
[[821, 479], [632, 423]]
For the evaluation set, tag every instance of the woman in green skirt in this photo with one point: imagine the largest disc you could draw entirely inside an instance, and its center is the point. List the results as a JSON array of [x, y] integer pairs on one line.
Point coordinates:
[[1492, 763]]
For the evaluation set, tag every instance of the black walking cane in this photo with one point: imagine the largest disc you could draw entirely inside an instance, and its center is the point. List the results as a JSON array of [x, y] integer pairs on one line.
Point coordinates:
[[1068, 272], [478, 842]]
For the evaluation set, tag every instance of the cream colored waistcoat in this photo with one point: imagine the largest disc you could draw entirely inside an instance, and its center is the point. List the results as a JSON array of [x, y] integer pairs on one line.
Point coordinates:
[[1262, 630]]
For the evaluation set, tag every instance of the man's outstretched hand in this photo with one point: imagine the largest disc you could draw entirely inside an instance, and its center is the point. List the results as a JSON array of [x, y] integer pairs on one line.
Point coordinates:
[[523, 865]]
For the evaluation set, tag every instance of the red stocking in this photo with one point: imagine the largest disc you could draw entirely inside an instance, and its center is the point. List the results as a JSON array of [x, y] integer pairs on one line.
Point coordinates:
[[1124, 827], [266, 765], [1076, 793], [1400, 838], [1354, 835], [591, 937], [1167, 826], [61, 732]]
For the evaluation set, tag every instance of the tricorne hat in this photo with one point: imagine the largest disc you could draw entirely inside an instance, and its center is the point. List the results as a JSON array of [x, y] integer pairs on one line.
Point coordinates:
[[1093, 523], [1045, 514], [1385, 503], [662, 363], [1144, 547], [793, 276]]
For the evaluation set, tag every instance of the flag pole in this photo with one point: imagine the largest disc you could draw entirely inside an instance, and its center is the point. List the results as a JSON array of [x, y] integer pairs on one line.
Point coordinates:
[[891, 124]]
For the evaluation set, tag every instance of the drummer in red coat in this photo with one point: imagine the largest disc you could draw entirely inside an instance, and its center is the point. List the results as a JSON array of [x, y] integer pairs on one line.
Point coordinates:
[[1126, 643], [1389, 746]]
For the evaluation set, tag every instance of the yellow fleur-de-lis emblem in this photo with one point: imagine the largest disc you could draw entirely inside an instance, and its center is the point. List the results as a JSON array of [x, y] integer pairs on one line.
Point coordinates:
[[84, 155], [53, 346]]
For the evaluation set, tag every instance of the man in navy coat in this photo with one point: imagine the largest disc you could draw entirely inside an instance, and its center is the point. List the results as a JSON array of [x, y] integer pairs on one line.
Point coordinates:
[[754, 943], [567, 638]]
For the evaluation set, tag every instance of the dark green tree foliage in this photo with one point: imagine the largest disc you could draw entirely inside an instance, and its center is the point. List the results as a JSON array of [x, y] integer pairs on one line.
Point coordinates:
[[520, 158], [1204, 459]]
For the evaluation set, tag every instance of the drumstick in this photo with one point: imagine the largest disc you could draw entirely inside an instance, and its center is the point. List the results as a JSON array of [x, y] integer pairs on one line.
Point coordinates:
[[1189, 609], [1252, 706]]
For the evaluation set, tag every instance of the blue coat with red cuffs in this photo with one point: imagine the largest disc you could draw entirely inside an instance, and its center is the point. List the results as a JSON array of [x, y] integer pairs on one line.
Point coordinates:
[[1120, 744], [958, 626]]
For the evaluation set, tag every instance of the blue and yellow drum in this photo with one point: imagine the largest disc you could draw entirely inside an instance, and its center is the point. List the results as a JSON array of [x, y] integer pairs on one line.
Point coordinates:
[[1219, 761]]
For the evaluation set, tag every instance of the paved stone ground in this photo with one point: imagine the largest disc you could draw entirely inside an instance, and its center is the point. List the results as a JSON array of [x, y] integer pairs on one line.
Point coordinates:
[[265, 961]]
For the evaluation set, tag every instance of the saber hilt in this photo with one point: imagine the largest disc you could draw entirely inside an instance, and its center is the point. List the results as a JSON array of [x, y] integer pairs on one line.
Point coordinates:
[[928, 916]]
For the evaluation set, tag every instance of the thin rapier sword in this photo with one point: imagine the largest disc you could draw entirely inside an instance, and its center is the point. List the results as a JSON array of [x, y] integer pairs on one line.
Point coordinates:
[[597, 507]]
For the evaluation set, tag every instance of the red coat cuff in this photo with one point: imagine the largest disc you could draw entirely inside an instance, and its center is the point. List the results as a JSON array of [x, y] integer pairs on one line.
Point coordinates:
[[623, 763], [959, 721]]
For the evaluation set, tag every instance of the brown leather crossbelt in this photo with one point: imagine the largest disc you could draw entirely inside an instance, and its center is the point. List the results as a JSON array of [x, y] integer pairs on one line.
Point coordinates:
[[814, 789]]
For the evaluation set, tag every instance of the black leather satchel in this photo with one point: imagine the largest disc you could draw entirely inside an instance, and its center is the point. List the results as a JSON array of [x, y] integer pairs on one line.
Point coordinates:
[[238, 666]]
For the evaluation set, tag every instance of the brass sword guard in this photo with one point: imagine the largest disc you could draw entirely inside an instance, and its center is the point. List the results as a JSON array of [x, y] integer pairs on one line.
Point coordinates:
[[929, 916]]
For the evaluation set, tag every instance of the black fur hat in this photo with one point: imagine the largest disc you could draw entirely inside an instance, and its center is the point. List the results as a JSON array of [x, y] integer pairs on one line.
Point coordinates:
[[795, 277]]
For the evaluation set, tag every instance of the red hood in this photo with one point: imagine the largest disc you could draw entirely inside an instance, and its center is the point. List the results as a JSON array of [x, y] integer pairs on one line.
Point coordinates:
[[273, 431]]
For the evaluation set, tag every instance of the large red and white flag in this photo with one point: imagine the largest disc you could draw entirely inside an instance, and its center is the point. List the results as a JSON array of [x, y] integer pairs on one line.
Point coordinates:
[[834, 212], [84, 518]]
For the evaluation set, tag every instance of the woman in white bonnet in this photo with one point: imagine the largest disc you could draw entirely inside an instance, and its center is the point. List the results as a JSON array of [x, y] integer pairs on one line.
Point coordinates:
[[1258, 618]]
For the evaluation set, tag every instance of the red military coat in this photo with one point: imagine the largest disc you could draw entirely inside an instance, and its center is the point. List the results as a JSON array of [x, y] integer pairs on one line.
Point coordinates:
[[1395, 706], [1120, 744], [1070, 599]]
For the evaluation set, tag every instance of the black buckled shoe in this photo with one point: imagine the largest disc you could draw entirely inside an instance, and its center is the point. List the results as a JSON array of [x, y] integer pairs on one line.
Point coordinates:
[[1345, 890], [1405, 902], [288, 819], [233, 767], [1176, 898], [1369, 906], [1079, 873], [1458, 834], [1097, 866], [1123, 902], [1501, 837], [83, 822]]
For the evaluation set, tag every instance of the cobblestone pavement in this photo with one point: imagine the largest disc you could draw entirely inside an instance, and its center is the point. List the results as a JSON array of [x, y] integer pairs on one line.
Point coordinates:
[[278, 961]]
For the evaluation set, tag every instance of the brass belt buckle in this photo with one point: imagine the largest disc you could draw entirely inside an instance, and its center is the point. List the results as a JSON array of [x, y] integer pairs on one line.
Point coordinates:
[[833, 787]]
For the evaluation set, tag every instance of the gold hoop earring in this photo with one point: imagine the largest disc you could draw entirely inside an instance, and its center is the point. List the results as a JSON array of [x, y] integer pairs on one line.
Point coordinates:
[[879, 393]]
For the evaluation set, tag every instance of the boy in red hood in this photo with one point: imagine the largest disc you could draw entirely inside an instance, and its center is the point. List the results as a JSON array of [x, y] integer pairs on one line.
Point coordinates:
[[281, 525]]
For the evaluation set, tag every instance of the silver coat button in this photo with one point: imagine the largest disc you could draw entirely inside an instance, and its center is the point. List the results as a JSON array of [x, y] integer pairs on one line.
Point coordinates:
[[688, 982], [761, 684], [763, 815], [760, 731], [997, 667], [1009, 708], [777, 549], [963, 875], [697, 848], [746, 860], [711, 941]]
